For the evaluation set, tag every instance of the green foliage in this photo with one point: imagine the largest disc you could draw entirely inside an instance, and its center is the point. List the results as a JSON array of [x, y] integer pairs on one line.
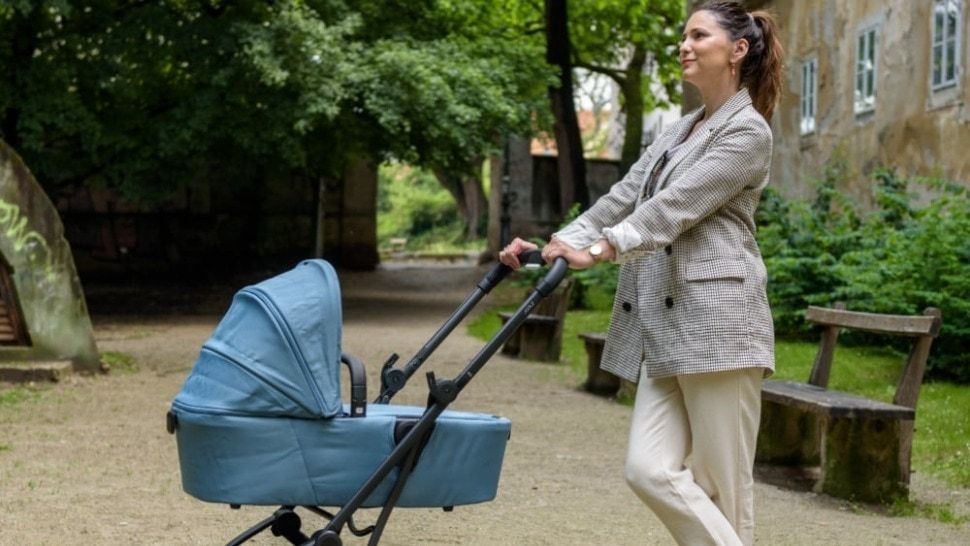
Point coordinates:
[[411, 204], [603, 32], [119, 362], [899, 258], [18, 394], [942, 512], [145, 96]]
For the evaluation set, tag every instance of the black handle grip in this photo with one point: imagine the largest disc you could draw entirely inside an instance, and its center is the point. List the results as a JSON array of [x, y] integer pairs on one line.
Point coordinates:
[[496, 275], [531, 257], [358, 385], [557, 272]]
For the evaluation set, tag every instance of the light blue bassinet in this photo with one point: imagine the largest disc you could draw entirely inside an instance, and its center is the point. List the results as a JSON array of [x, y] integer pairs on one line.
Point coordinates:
[[260, 419]]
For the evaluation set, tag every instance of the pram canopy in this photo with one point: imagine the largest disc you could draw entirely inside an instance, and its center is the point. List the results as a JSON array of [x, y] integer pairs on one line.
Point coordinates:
[[276, 352]]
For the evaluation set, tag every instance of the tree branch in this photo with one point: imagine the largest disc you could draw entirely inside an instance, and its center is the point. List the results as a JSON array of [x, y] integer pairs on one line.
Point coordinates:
[[619, 76]]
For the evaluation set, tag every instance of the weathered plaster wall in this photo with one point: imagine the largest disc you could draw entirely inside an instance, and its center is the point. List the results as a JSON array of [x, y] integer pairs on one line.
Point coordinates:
[[916, 130], [32, 241]]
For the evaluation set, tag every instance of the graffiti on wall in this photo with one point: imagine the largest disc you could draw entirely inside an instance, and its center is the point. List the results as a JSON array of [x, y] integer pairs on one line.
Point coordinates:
[[25, 241]]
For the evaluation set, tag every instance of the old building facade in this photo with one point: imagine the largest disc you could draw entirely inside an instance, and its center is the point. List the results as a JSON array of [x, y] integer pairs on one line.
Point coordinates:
[[877, 83]]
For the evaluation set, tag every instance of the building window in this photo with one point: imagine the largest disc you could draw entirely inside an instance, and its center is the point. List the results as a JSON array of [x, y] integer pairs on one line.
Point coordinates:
[[946, 39], [865, 70], [809, 89]]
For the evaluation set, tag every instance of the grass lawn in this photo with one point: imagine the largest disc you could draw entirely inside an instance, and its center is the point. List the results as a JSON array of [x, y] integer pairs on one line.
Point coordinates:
[[941, 446]]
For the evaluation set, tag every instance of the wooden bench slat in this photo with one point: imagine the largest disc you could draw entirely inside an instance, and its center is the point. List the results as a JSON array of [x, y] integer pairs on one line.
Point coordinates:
[[594, 337], [531, 319], [832, 403], [905, 325]]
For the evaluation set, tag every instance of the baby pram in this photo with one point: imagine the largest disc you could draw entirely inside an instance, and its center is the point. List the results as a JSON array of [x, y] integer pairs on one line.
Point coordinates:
[[260, 420]]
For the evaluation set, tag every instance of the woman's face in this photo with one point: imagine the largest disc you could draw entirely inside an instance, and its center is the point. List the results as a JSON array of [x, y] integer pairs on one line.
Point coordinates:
[[706, 50]]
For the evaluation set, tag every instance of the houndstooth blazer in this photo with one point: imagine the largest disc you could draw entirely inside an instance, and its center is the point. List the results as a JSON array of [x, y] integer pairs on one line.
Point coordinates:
[[691, 297]]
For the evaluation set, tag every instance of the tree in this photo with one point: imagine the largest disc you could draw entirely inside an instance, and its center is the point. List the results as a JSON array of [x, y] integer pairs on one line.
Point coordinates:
[[570, 161], [144, 96], [635, 44]]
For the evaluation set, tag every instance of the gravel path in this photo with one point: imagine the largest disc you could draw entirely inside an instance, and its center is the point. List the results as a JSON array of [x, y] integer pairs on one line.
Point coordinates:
[[89, 461]]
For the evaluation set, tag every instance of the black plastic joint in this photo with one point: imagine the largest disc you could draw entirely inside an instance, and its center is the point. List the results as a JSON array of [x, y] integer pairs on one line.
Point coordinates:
[[171, 422], [394, 379], [443, 391]]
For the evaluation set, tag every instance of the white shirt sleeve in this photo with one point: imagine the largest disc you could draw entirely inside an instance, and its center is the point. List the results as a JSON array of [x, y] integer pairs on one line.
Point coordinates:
[[625, 240], [578, 234]]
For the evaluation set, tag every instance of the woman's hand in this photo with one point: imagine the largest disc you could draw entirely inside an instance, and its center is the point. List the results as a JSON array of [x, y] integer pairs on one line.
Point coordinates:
[[510, 254], [577, 258]]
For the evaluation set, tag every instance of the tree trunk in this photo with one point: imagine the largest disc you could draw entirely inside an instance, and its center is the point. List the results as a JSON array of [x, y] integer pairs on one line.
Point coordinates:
[[469, 196], [632, 89], [570, 163]]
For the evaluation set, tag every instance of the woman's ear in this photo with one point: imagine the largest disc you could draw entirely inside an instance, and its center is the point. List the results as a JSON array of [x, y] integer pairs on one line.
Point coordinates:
[[740, 50]]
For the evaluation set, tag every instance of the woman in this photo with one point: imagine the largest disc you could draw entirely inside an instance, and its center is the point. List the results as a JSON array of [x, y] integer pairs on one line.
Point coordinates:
[[691, 322]]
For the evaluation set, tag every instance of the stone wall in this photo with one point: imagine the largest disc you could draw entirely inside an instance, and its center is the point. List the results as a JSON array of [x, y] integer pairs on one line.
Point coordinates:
[[275, 221], [44, 277]]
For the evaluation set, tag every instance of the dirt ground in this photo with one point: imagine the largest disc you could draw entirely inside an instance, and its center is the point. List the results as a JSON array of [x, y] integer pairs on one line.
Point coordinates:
[[89, 462]]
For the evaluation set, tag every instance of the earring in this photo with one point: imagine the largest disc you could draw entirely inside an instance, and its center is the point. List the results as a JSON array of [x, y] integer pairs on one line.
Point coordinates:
[[732, 67]]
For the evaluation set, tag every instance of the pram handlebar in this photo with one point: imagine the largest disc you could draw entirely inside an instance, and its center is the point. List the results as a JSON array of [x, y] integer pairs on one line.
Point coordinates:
[[393, 379]]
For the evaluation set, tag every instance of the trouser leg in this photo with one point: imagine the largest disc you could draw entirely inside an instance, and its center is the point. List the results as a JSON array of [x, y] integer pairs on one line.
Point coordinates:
[[724, 411], [660, 442]]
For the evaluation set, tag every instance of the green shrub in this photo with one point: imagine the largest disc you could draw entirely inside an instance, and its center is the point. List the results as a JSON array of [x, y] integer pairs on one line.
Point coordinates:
[[411, 203], [898, 257]]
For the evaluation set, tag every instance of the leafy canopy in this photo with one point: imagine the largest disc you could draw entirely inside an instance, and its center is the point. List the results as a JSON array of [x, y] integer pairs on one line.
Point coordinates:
[[147, 95]]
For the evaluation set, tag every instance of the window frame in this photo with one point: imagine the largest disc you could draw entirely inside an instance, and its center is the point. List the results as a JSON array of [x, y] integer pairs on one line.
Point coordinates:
[[808, 100], [867, 42], [948, 58]]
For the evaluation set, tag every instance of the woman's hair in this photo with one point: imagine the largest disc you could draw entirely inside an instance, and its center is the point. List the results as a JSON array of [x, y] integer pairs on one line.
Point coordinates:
[[761, 67]]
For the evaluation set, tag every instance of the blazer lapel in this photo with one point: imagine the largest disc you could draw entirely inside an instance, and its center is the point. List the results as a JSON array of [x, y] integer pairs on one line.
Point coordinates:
[[724, 113], [669, 139]]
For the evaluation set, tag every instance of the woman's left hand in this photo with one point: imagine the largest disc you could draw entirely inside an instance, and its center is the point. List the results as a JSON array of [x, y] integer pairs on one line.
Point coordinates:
[[577, 258]]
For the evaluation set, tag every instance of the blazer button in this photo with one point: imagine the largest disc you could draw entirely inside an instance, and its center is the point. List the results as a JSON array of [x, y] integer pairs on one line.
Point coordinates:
[[669, 302], [627, 306], [668, 250]]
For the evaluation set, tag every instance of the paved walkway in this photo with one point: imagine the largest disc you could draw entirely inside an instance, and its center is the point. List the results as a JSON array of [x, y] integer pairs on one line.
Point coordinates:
[[89, 462]]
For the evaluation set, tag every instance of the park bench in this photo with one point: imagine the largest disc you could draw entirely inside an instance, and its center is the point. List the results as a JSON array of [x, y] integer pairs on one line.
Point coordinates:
[[540, 336], [861, 446]]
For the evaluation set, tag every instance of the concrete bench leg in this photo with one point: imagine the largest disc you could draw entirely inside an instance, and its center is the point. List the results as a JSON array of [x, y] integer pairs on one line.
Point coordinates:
[[788, 436], [860, 460]]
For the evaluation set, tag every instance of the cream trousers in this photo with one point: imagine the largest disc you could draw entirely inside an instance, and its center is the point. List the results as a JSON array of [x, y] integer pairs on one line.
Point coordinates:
[[691, 453]]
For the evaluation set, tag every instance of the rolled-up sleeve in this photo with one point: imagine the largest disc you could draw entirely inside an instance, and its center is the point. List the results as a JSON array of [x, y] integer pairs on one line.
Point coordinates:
[[737, 159]]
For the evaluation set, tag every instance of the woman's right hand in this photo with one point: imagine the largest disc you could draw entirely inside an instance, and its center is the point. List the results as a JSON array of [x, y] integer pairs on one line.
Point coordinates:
[[510, 254]]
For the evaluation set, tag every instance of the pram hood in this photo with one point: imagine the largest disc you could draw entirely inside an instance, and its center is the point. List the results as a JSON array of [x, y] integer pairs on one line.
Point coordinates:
[[276, 352]]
